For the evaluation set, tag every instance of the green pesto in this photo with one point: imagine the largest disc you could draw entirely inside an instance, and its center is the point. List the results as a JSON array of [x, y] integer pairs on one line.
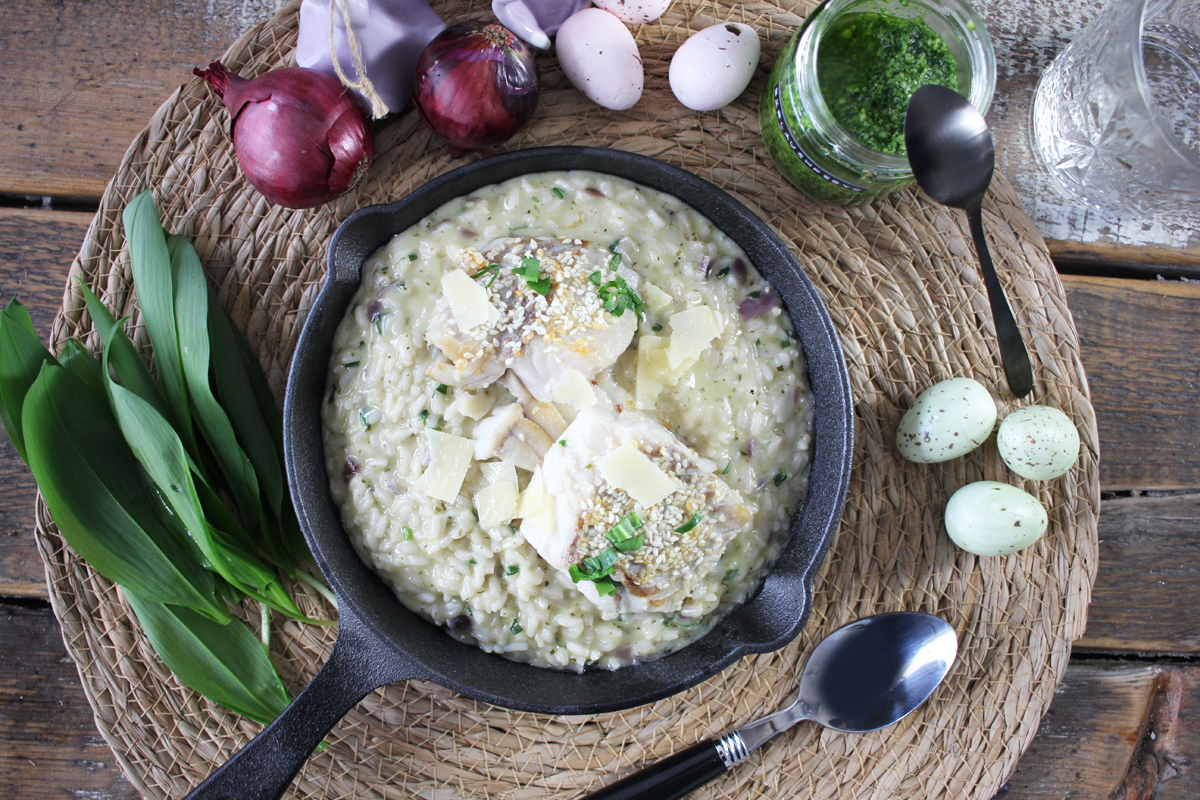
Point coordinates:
[[868, 66]]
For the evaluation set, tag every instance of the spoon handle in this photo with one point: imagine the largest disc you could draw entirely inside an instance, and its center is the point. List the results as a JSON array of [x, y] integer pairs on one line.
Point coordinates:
[[1013, 354], [676, 776]]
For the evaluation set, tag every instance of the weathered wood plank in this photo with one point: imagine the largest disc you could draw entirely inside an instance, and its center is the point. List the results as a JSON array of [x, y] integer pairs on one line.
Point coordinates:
[[79, 79], [1116, 732], [36, 250], [1149, 562], [1084, 749], [1137, 341], [51, 749]]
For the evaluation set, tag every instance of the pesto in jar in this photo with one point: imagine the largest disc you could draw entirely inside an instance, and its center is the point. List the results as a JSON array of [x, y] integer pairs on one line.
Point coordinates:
[[868, 66]]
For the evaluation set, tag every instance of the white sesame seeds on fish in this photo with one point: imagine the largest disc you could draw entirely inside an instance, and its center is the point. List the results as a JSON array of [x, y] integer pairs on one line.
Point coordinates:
[[538, 337], [661, 573]]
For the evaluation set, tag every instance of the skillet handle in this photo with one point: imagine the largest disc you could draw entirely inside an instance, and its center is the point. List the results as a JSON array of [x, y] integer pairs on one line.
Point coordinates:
[[264, 768]]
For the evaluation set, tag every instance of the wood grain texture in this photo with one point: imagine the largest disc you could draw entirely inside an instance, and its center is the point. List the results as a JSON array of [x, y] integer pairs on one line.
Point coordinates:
[[1137, 340], [1143, 600], [1115, 733], [1101, 718], [51, 749], [79, 79], [36, 249]]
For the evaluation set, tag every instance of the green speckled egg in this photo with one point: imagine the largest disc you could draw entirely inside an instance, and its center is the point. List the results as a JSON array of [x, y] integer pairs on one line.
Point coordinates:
[[948, 420], [1038, 442], [988, 518]]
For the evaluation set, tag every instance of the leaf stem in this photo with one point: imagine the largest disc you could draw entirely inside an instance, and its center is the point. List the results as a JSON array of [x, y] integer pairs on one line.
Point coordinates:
[[321, 588], [265, 614]]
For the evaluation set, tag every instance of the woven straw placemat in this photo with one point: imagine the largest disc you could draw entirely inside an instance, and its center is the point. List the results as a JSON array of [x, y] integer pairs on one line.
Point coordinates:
[[902, 285]]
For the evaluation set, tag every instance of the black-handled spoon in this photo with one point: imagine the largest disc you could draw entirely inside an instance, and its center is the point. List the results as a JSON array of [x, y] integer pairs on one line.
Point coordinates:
[[862, 677], [952, 157]]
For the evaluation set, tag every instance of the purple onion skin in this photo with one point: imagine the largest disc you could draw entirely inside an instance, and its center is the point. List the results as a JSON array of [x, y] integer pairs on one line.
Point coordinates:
[[300, 138], [753, 307], [477, 85]]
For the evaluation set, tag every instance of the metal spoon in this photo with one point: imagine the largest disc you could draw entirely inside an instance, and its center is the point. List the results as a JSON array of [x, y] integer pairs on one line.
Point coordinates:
[[862, 677], [951, 154]]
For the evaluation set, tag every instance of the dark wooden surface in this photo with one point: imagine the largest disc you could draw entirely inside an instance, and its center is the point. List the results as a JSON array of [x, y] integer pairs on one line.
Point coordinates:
[[78, 81]]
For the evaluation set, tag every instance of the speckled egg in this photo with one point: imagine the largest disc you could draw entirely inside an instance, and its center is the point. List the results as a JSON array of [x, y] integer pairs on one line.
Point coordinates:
[[714, 66], [600, 57], [634, 12], [1038, 442], [988, 518], [948, 420]]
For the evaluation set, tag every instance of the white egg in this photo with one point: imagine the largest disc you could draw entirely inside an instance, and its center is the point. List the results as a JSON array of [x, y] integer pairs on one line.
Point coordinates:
[[994, 519], [634, 12], [600, 57], [714, 66], [1038, 442], [948, 420]]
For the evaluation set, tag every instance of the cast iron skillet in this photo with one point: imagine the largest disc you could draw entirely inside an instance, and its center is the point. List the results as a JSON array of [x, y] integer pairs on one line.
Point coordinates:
[[380, 641]]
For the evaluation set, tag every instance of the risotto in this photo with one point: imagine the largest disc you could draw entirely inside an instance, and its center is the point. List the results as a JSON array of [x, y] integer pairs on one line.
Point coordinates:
[[568, 421]]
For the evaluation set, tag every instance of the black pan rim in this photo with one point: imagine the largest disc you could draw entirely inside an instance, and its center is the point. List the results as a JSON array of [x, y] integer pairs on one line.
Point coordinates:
[[818, 518]]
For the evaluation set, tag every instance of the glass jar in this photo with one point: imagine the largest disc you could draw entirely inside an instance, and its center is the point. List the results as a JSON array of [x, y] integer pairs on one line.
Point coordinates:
[[811, 148]]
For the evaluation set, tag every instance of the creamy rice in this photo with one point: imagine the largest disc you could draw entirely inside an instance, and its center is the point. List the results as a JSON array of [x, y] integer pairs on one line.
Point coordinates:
[[744, 404]]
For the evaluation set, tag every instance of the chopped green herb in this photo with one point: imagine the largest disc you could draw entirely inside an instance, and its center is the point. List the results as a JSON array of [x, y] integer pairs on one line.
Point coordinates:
[[728, 464], [605, 586], [617, 296], [754, 294], [623, 532], [424, 415], [758, 342], [472, 562], [780, 477], [519, 227], [656, 327], [441, 388], [724, 271], [691, 523], [730, 575], [515, 628], [596, 278], [349, 364], [412, 256], [408, 533], [513, 569], [612, 248], [593, 568], [531, 271], [562, 442], [379, 323], [559, 193], [493, 268], [615, 261], [362, 415]]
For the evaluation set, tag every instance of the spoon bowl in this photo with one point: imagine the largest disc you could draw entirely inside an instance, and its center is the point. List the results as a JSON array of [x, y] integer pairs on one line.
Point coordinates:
[[862, 677], [953, 158]]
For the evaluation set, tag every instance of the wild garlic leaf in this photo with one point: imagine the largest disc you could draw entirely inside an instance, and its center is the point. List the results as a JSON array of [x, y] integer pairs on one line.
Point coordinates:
[[191, 316], [79, 361], [122, 355], [236, 391], [225, 663], [22, 355], [154, 283], [98, 497]]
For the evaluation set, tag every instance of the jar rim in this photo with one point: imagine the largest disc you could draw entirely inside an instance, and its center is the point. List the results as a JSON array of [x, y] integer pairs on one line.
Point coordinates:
[[958, 13]]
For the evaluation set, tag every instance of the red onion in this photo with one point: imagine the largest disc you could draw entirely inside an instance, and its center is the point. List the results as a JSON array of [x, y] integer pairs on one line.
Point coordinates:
[[753, 307], [300, 138], [477, 84]]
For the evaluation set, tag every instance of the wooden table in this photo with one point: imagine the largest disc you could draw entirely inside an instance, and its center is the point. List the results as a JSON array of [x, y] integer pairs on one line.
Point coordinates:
[[79, 79]]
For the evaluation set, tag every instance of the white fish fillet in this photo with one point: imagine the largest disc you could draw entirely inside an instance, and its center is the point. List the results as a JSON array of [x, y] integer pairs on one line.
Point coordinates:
[[661, 574], [539, 337]]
